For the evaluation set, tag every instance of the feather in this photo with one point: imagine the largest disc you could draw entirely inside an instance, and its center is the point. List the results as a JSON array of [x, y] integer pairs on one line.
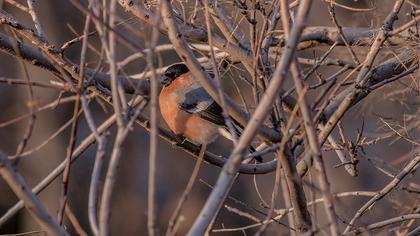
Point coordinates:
[[195, 100]]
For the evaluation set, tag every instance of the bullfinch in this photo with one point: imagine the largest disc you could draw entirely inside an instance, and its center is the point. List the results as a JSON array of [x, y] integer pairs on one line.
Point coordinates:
[[189, 110]]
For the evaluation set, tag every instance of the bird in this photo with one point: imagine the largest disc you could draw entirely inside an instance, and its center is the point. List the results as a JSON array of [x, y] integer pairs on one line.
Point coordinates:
[[189, 111]]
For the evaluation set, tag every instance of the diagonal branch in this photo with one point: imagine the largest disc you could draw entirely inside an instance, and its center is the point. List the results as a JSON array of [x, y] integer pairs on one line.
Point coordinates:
[[32, 203], [37, 58], [227, 176], [388, 188]]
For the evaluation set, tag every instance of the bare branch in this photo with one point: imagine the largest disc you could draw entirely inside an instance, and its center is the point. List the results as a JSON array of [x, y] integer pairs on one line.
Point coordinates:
[[32, 203], [384, 223], [225, 180], [388, 188]]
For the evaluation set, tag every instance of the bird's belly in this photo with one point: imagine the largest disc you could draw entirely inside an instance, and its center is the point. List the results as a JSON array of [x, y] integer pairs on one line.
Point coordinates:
[[182, 123], [200, 131]]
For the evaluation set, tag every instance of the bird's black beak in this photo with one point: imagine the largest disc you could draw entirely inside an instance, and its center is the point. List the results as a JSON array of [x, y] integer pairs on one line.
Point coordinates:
[[165, 80]]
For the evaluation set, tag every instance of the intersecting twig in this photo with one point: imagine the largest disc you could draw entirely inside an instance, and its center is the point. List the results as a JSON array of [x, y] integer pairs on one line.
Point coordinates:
[[388, 188]]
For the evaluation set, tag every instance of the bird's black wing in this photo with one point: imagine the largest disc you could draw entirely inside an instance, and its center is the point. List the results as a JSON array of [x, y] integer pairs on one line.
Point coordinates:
[[197, 101], [213, 113]]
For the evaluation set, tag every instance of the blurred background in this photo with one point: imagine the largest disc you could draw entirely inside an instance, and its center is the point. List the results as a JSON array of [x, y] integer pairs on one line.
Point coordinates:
[[395, 102]]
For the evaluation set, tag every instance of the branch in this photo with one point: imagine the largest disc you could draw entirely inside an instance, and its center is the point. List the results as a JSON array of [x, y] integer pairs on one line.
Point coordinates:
[[229, 29], [382, 72], [35, 18], [190, 31], [32, 203], [384, 223], [89, 140], [227, 176], [282, 212], [388, 188], [36, 58], [355, 36]]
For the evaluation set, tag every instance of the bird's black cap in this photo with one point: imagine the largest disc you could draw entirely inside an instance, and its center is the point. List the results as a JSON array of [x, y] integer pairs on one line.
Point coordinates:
[[173, 72]]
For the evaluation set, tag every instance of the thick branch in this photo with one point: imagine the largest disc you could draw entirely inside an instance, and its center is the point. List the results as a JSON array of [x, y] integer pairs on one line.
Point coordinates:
[[37, 58], [355, 36]]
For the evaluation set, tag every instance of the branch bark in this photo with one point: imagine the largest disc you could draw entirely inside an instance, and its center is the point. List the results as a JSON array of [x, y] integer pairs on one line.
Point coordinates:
[[31, 202], [226, 177]]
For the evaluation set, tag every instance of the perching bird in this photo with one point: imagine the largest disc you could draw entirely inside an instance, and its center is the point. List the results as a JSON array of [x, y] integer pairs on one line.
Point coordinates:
[[189, 110]]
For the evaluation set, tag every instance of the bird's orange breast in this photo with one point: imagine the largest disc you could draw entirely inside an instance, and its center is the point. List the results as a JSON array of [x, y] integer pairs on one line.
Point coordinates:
[[181, 122]]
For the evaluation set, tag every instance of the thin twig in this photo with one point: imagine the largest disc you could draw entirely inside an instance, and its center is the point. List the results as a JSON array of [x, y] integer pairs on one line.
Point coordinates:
[[384, 223], [35, 18], [282, 212], [384, 191], [17, 5], [295, 189], [31, 100], [175, 215], [32, 203], [74, 221], [73, 132], [152, 213], [84, 144]]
